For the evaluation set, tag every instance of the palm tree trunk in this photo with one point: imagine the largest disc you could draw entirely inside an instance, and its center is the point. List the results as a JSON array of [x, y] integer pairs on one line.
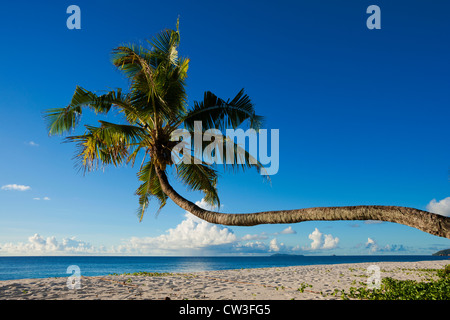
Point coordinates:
[[429, 222]]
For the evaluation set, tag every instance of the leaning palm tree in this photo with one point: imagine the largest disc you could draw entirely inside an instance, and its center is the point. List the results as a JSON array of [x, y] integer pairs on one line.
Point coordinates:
[[154, 107]]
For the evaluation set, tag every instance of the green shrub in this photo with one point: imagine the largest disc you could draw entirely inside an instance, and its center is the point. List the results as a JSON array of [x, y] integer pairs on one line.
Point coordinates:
[[393, 289]]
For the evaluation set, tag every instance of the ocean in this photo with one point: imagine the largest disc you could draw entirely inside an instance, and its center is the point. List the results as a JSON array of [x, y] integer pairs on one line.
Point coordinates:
[[44, 267]]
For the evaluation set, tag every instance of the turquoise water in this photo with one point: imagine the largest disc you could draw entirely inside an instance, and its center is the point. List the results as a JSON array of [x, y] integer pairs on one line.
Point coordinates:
[[43, 267]]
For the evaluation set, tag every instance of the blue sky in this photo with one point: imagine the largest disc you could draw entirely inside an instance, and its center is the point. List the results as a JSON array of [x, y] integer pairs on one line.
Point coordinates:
[[362, 114]]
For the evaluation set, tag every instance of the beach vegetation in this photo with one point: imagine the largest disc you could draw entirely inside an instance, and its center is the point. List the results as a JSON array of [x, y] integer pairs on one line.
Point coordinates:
[[394, 289], [303, 286]]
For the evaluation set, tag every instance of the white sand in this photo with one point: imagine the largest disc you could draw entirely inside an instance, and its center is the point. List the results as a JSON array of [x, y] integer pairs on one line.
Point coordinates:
[[240, 284]]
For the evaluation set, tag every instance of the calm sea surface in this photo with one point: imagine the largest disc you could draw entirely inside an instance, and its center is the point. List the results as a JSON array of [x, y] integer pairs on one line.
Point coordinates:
[[43, 267]]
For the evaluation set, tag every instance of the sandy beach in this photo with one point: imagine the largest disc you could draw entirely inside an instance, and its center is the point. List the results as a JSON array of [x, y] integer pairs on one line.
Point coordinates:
[[316, 282]]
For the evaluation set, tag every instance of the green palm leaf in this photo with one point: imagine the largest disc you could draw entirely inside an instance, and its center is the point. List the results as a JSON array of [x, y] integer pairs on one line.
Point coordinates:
[[108, 144], [165, 45], [217, 113], [61, 120], [200, 177], [157, 76], [149, 188]]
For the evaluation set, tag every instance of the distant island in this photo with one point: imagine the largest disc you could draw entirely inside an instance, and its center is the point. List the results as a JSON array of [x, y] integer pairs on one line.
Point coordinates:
[[445, 252], [286, 255]]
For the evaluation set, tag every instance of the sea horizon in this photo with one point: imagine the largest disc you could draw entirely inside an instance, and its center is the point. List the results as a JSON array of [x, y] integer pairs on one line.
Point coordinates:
[[214, 256], [30, 267]]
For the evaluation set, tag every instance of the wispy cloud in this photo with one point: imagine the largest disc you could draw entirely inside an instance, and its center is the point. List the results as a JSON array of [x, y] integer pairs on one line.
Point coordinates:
[[16, 187], [265, 235], [288, 230], [372, 221], [261, 236], [44, 198], [32, 144]]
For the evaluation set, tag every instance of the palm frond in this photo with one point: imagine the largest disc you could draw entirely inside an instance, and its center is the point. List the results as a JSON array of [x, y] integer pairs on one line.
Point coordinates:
[[219, 149], [236, 158], [108, 144], [157, 76], [200, 177], [62, 120], [150, 187], [217, 113], [132, 59], [165, 45]]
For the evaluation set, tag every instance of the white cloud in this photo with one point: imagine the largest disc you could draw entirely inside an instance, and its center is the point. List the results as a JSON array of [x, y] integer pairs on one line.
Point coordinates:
[[205, 205], [321, 241], [261, 236], [44, 198], [373, 247], [441, 207], [33, 144], [259, 247], [330, 242], [288, 230], [264, 235], [273, 245], [188, 235], [16, 187], [38, 245], [191, 234], [316, 237], [255, 247]]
